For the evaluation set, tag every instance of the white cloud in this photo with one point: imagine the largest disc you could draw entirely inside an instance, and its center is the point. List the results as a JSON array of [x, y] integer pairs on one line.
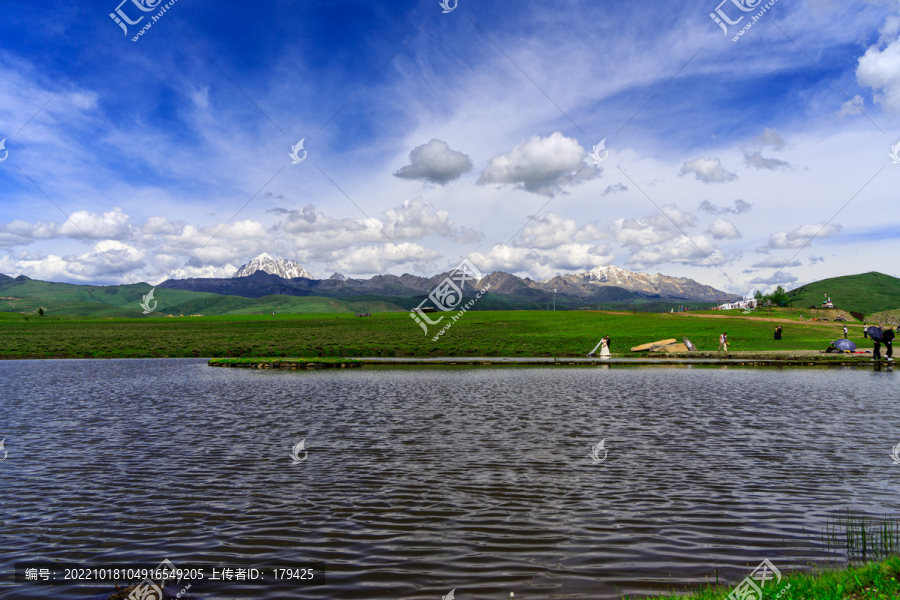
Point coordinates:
[[413, 220], [613, 189], [754, 158], [770, 137], [799, 237], [723, 229], [655, 239], [109, 262], [543, 264], [553, 230], [779, 278], [548, 245], [707, 170], [775, 262], [435, 162], [111, 225], [739, 207], [816, 259], [652, 229], [21, 233], [851, 107], [378, 258], [696, 251], [879, 69], [541, 165]]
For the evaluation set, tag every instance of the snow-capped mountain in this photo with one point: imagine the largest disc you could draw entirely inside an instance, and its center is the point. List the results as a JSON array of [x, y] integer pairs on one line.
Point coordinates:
[[289, 269], [337, 276], [659, 285]]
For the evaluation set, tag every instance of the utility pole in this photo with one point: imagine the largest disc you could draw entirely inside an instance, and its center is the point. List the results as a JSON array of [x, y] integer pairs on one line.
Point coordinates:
[[554, 299]]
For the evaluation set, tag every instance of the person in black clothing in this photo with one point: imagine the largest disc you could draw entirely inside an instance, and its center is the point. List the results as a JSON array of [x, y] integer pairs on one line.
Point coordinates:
[[888, 338], [778, 332]]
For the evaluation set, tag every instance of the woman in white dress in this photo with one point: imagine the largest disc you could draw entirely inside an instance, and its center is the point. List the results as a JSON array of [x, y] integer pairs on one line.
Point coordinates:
[[604, 349]]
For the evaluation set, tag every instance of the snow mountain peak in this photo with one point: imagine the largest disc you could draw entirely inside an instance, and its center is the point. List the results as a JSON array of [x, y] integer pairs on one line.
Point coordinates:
[[286, 268]]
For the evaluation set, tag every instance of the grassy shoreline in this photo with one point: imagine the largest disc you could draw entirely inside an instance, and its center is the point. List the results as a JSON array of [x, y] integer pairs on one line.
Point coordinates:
[[494, 333], [872, 581]]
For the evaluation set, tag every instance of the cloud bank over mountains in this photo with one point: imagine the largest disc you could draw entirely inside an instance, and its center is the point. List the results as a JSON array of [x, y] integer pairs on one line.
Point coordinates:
[[440, 159]]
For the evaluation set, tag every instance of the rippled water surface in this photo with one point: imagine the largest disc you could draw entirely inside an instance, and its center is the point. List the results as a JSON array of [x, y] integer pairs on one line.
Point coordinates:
[[421, 480]]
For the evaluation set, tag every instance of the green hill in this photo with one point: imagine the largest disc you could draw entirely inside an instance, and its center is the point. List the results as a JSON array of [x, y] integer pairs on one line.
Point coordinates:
[[866, 293], [26, 295]]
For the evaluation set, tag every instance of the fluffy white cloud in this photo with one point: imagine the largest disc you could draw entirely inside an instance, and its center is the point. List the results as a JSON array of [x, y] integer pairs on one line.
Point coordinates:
[[413, 220], [553, 230], [652, 229], [21, 233], [548, 245], [697, 251], [723, 229], [754, 158], [543, 264], [879, 69], [161, 248], [658, 238], [799, 237], [541, 165], [378, 258], [111, 225], [739, 207], [707, 170], [108, 262], [775, 262], [780, 277], [435, 162], [851, 107]]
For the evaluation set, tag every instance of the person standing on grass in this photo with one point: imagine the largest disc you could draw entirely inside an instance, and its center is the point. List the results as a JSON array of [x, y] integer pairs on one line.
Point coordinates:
[[845, 332], [865, 331], [778, 332], [888, 338], [723, 342]]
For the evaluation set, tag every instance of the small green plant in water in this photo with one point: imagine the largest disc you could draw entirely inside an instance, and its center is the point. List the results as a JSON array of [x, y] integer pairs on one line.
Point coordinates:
[[862, 538]]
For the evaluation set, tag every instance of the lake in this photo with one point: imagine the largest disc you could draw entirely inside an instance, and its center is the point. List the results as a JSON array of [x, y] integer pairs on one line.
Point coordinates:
[[422, 480]]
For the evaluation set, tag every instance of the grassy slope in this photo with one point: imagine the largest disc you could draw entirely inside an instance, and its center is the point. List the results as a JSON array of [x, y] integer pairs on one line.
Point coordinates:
[[874, 581], [123, 301], [86, 300], [866, 293], [501, 333]]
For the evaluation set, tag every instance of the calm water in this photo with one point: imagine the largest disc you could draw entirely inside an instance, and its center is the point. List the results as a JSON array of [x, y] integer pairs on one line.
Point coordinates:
[[419, 481]]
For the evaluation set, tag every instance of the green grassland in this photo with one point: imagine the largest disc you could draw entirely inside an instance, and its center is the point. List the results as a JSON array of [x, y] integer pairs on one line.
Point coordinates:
[[866, 293], [872, 581], [237, 305], [488, 333]]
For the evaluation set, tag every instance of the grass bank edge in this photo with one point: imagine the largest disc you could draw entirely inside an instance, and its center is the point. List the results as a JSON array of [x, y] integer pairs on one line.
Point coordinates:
[[871, 581]]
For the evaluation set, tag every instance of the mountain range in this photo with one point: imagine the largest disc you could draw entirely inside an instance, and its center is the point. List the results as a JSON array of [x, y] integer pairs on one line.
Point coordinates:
[[263, 293], [254, 290], [265, 276]]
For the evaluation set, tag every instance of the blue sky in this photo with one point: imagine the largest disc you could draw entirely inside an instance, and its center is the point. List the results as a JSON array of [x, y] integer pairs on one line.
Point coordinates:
[[466, 134]]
